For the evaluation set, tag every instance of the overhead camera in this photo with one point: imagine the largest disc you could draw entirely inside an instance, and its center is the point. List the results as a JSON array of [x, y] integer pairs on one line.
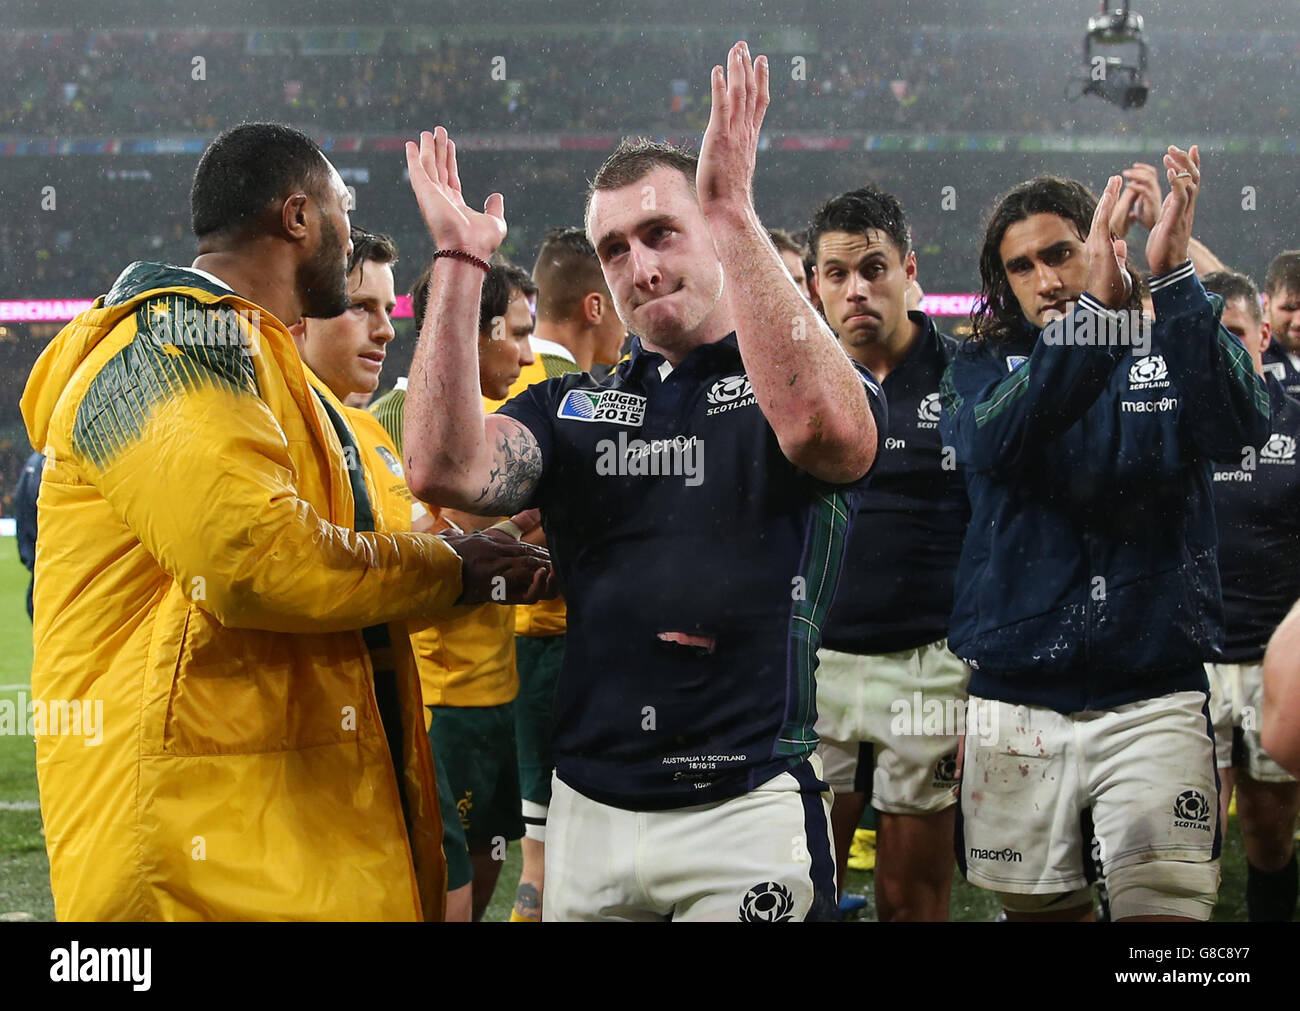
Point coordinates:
[[1119, 75]]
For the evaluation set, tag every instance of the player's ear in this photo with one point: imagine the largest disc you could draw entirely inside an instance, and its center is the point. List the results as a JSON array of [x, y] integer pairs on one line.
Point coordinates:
[[293, 216], [814, 295], [593, 308]]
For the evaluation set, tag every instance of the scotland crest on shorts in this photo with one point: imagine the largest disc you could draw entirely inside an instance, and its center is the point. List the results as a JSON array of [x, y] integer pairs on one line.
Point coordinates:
[[769, 902], [1192, 810]]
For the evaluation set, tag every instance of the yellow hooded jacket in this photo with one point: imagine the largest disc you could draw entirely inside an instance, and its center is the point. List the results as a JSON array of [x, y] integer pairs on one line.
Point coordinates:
[[200, 575]]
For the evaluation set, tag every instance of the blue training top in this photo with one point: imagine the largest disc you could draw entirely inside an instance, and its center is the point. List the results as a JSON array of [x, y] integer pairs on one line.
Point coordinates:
[[1089, 577]]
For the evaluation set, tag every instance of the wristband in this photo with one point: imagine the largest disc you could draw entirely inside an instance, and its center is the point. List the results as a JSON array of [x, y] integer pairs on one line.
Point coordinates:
[[460, 254], [510, 527]]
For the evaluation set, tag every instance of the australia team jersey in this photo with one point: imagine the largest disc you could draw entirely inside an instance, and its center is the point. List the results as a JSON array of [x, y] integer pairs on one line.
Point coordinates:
[[1257, 506], [467, 659], [698, 564], [896, 591]]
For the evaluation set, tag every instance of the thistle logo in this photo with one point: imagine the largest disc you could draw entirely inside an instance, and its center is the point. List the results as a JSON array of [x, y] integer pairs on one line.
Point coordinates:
[[1279, 449], [927, 413], [1148, 373], [729, 393], [767, 903], [945, 771], [1192, 810]]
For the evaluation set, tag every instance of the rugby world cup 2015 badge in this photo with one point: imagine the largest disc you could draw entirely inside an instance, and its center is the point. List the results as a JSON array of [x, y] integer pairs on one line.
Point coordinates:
[[613, 406]]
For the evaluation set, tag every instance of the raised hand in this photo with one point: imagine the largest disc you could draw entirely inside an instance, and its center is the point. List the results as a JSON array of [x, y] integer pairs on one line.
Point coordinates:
[[1144, 183], [1125, 212], [1140, 201], [1107, 257], [436, 182], [725, 176], [1170, 238]]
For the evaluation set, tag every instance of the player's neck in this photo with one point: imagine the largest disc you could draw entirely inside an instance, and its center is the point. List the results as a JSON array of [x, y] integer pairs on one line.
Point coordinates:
[[571, 336], [717, 325], [882, 357], [257, 280]]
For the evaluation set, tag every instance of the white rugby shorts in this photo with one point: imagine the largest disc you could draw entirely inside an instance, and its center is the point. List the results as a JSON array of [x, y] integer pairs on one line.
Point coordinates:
[[1053, 793], [888, 725], [765, 856]]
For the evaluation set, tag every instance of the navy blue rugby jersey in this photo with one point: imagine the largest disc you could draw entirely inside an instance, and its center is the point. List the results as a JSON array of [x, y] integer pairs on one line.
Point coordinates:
[[896, 591], [1279, 365], [1257, 509], [698, 565]]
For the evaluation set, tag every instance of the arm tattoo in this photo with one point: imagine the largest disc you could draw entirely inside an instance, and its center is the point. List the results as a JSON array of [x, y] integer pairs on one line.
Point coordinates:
[[516, 469], [528, 902]]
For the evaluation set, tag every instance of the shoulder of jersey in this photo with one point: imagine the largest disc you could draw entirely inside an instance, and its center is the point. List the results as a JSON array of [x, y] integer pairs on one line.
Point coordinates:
[[948, 345]]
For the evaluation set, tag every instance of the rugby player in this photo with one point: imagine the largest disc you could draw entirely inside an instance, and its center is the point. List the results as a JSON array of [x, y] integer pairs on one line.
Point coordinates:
[[1282, 305], [467, 666], [345, 355], [1087, 589], [576, 328], [1256, 500], [211, 574], [687, 785], [884, 663]]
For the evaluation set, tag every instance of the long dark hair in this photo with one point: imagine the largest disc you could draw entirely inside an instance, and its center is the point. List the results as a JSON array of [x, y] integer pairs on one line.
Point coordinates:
[[997, 314]]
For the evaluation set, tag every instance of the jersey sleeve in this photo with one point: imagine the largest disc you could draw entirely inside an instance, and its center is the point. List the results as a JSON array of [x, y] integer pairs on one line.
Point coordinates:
[[996, 422], [182, 447], [1226, 405], [880, 414]]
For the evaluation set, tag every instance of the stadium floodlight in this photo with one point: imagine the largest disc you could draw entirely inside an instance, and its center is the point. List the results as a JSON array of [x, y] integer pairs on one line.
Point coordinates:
[[1120, 79]]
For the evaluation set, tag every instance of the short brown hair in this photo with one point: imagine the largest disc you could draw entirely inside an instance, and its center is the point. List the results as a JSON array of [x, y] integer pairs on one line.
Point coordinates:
[[1228, 284], [634, 159], [370, 246], [566, 272], [1283, 273]]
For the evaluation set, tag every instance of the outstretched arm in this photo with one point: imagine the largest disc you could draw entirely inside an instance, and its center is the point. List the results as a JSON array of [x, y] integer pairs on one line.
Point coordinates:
[[803, 381], [455, 455]]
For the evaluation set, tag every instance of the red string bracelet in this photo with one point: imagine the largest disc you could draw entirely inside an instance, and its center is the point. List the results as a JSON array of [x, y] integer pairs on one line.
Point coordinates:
[[460, 254]]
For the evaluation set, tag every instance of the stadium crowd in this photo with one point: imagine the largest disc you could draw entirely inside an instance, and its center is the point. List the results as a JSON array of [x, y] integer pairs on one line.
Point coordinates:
[[590, 79]]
